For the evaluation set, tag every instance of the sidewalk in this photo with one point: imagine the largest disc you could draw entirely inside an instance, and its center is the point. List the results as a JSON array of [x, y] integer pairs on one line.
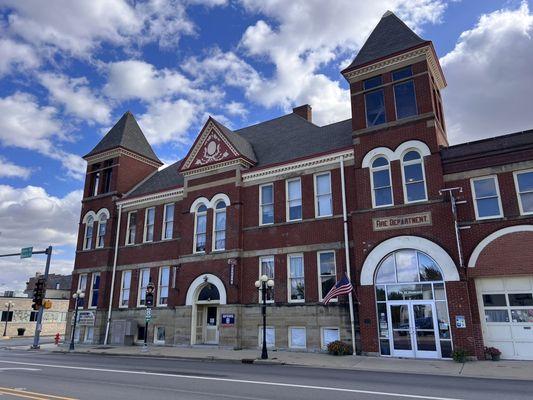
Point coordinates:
[[521, 370]]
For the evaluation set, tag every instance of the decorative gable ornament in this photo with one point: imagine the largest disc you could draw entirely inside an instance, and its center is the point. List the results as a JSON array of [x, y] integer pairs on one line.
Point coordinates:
[[211, 150]]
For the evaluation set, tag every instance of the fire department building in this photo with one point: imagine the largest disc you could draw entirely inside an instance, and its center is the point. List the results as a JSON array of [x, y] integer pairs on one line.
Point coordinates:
[[437, 239]]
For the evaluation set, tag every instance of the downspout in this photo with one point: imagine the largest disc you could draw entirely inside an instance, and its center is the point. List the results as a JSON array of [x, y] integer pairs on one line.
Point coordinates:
[[347, 249], [112, 292]]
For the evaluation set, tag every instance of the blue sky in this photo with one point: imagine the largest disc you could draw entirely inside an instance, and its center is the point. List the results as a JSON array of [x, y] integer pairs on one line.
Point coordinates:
[[69, 70]]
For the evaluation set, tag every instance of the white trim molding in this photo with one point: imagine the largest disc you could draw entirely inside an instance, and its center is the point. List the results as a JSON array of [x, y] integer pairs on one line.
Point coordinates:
[[199, 282], [441, 257], [397, 154], [174, 194], [118, 152], [493, 236]]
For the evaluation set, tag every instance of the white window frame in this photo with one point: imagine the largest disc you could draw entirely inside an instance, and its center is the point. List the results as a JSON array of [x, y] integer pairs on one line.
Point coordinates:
[[372, 186], [261, 204], [128, 227], [518, 193], [323, 344], [91, 288], [289, 256], [88, 246], [315, 180], [145, 231], [142, 288], [123, 288], [160, 286], [81, 287], [404, 183], [474, 196], [260, 336], [98, 236], [401, 82], [96, 184], [165, 222], [320, 294], [196, 215], [261, 259], [290, 337], [288, 200], [214, 235]]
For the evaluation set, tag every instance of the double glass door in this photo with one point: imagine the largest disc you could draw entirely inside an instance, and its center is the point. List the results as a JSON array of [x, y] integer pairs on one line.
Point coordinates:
[[413, 329]]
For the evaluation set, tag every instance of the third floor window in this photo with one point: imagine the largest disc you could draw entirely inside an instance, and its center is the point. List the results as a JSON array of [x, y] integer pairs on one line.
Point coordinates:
[[404, 93], [374, 102]]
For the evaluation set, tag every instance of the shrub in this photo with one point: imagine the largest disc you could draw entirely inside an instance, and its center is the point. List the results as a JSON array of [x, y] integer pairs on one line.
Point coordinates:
[[459, 355], [340, 348], [493, 351]]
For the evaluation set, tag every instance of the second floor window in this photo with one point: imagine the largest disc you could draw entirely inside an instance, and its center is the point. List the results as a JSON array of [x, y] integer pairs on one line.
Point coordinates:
[[200, 229], [162, 290], [404, 94], [524, 188], [220, 226], [327, 272], [413, 177], [266, 204], [266, 267], [102, 226], [144, 279], [168, 221], [486, 197], [89, 227], [381, 182], [294, 200], [95, 290], [125, 289], [296, 278], [149, 219], [374, 102], [323, 200], [131, 229]]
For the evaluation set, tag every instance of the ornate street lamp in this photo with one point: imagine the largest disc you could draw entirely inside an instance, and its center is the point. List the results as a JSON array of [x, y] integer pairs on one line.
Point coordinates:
[[77, 296], [8, 305], [264, 284]]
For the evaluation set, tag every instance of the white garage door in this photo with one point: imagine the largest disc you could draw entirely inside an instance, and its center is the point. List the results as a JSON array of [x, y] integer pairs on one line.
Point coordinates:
[[506, 307]]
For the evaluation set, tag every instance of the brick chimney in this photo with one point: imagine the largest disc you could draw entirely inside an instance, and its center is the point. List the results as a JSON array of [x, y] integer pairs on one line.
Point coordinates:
[[304, 111]]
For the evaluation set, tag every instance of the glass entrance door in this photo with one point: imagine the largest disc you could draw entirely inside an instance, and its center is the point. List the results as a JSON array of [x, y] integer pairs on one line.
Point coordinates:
[[211, 325], [413, 329]]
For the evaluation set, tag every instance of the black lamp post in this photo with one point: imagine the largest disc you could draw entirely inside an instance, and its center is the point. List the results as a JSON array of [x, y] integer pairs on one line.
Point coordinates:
[[264, 284], [9, 304], [77, 296]]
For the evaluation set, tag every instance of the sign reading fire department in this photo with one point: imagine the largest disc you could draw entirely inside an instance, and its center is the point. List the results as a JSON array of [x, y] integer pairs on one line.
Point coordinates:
[[401, 221]]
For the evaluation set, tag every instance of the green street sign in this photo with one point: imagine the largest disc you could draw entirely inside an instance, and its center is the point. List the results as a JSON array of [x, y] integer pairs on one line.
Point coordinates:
[[26, 252]]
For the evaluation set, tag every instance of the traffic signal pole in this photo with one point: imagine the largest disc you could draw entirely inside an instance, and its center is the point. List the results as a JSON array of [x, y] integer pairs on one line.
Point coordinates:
[[38, 325]]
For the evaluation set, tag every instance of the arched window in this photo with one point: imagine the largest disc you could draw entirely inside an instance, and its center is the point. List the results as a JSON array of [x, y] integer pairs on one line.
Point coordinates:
[[102, 227], [200, 228], [413, 177], [219, 226], [408, 266], [87, 243], [381, 183], [209, 293]]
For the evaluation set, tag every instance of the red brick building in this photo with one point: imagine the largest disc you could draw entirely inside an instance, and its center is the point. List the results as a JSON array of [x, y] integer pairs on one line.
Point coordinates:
[[438, 236]]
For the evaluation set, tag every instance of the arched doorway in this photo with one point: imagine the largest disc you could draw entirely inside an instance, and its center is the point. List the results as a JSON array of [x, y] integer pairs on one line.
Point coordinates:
[[205, 294], [412, 309]]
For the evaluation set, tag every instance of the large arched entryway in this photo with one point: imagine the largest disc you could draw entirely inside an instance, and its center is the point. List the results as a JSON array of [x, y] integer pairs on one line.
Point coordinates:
[[205, 294], [412, 309]]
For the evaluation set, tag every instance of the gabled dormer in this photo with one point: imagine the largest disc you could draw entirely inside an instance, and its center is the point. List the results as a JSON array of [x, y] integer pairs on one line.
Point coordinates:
[[122, 159], [217, 147], [395, 78]]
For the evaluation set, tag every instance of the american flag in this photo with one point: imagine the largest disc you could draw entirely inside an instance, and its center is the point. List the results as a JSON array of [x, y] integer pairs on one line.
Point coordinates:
[[344, 286]]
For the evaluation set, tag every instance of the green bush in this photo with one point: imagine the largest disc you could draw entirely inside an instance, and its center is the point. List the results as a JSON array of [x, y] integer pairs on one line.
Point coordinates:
[[459, 355], [340, 348]]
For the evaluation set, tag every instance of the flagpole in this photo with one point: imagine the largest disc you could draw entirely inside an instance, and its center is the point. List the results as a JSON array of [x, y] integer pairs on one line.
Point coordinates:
[[347, 250]]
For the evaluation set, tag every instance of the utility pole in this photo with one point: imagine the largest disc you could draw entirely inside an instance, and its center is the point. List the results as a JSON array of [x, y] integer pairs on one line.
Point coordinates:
[[9, 304]]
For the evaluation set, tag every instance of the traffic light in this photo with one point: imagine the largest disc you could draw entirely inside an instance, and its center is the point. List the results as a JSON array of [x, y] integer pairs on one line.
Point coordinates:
[[150, 294], [38, 293]]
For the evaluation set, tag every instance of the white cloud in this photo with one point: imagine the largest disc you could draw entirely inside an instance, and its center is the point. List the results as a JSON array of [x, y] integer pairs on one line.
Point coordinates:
[[168, 121], [236, 108], [11, 170], [76, 97], [489, 77], [30, 216], [27, 125], [308, 34], [16, 56]]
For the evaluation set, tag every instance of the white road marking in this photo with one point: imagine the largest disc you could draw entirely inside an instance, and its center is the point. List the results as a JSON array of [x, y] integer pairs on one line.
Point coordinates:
[[206, 378], [20, 369]]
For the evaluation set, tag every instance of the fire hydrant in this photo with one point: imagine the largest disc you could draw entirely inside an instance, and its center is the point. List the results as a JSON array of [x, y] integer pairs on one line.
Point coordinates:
[[57, 338]]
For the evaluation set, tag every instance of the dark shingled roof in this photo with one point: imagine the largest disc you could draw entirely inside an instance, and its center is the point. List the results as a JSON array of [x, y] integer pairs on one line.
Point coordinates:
[[390, 36], [127, 134], [276, 141]]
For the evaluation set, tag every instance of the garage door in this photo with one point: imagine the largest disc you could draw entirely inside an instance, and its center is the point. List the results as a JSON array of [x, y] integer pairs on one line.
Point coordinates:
[[506, 307]]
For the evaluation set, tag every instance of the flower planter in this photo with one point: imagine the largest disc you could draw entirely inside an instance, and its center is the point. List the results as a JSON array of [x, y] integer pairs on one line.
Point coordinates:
[[496, 357]]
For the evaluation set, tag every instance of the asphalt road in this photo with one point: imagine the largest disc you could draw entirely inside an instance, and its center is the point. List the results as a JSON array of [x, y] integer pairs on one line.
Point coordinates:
[[41, 375]]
